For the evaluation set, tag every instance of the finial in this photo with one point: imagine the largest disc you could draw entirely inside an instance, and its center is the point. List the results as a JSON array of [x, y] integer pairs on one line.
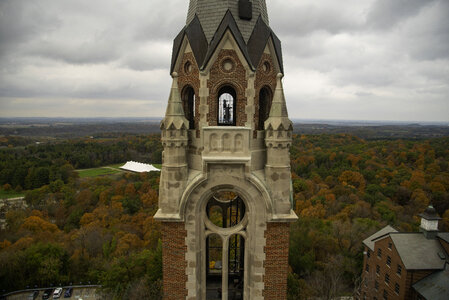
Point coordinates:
[[174, 75], [278, 112]]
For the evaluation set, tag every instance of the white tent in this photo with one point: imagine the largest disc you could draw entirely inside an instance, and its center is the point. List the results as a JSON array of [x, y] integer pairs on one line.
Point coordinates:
[[138, 167]]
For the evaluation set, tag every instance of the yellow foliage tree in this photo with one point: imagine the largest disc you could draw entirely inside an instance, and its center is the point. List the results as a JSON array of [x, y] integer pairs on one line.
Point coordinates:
[[352, 178], [37, 224]]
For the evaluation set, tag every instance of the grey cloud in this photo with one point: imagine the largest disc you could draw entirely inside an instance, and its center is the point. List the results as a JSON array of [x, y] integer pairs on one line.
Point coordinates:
[[304, 19], [385, 14], [21, 21], [428, 37], [87, 52], [351, 59], [151, 56]]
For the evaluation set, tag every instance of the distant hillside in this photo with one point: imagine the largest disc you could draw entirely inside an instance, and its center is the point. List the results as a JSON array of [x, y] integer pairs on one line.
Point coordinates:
[[370, 132], [81, 127]]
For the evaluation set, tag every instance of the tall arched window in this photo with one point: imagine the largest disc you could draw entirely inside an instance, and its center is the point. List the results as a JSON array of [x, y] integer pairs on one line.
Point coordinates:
[[226, 106], [225, 252], [188, 103], [265, 98]]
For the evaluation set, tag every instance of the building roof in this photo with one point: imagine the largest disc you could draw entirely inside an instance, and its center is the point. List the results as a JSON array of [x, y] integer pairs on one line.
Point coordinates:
[[211, 12], [430, 214], [369, 241], [209, 20], [417, 252], [138, 167], [434, 286], [444, 236]]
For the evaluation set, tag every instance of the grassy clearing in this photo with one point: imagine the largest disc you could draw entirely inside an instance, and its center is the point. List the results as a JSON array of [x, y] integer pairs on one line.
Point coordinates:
[[97, 172], [106, 170], [116, 166], [10, 194]]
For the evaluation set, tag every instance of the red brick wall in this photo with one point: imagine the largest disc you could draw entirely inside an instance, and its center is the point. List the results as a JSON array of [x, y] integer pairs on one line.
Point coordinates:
[[391, 270], [173, 260], [191, 79], [405, 280], [276, 261], [236, 78], [264, 79], [412, 278]]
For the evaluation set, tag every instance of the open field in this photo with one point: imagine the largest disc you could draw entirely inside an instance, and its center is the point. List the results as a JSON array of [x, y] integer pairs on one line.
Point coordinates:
[[106, 170], [94, 172], [10, 194]]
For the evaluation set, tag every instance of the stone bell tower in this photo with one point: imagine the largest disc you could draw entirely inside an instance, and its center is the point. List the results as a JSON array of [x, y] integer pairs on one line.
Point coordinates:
[[225, 192]]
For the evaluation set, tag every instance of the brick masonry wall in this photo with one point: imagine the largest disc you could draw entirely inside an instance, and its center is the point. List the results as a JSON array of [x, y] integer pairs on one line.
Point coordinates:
[[219, 77], [173, 260], [276, 261], [189, 78], [405, 280], [264, 78], [371, 276]]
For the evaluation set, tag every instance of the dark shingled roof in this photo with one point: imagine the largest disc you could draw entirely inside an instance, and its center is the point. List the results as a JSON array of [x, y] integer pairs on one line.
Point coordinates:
[[228, 22], [417, 252], [204, 51], [258, 40], [435, 286], [197, 40], [444, 236], [369, 241], [430, 214]]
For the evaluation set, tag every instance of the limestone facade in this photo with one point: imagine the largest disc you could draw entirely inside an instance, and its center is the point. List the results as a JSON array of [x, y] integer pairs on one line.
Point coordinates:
[[238, 157]]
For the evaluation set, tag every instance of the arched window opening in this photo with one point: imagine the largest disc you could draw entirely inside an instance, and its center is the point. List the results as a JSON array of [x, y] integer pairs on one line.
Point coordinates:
[[225, 252], [265, 99], [214, 259], [188, 103], [225, 209], [236, 266], [226, 106]]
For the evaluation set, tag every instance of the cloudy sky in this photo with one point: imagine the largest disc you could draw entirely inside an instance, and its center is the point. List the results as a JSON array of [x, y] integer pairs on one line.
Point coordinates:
[[348, 60]]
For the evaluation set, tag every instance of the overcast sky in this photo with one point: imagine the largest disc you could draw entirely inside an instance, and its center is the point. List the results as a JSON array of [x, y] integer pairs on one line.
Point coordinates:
[[348, 60]]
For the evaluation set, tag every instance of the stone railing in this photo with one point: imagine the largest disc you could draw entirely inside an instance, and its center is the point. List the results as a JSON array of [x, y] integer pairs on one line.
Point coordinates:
[[226, 142]]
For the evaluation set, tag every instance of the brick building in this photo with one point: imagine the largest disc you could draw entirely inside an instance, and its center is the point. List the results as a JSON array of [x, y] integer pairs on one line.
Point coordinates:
[[225, 190], [407, 265]]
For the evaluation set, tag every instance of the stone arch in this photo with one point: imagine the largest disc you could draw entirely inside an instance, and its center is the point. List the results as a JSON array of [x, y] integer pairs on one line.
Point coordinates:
[[237, 91], [188, 99], [236, 79], [265, 100], [226, 106], [201, 189]]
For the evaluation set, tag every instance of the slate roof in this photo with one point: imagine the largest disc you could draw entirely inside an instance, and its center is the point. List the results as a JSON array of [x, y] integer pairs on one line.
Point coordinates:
[[434, 286], [369, 241], [430, 214], [203, 47], [211, 12], [444, 236], [417, 252]]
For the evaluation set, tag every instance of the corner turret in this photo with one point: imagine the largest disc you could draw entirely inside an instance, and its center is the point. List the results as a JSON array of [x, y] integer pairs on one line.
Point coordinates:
[[174, 129], [278, 139]]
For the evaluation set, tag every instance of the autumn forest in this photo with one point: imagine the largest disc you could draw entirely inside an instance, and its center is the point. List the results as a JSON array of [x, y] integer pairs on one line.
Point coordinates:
[[99, 229]]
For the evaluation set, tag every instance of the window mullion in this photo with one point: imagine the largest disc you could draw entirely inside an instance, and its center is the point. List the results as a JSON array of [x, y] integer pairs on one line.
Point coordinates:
[[225, 267]]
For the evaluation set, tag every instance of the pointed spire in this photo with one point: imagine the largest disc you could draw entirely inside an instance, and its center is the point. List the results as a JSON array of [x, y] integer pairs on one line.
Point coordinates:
[[278, 107], [174, 114], [211, 12], [278, 113]]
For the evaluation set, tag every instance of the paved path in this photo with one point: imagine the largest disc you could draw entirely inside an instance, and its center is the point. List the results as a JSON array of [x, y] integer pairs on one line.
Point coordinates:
[[84, 293]]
